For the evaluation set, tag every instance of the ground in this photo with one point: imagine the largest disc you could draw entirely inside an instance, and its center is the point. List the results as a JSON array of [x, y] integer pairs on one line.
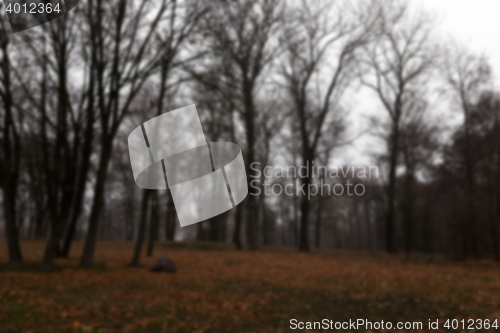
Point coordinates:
[[217, 289]]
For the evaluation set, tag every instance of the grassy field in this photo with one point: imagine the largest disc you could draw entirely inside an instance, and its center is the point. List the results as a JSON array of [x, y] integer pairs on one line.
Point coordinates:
[[220, 290]]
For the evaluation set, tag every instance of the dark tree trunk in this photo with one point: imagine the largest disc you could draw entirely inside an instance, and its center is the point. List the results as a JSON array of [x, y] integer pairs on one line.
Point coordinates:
[[238, 219], [142, 228], [295, 225], [493, 226], [368, 225], [265, 225], [153, 223], [317, 236], [97, 205], [10, 162], [304, 218], [217, 228], [251, 200], [427, 226], [305, 203], [408, 212], [391, 192], [82, 173], [200, 232], [470, 229], [171, 223], [11, 230]]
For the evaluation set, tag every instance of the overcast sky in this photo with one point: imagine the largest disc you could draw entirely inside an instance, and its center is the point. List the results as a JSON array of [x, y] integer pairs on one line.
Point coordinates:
[[475, 23]]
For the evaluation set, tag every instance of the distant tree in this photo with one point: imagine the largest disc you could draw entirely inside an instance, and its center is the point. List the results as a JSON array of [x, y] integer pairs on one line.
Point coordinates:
[[467, 76], [10, 142], [395, 67], [486, 123], [320, 44], [271, 122], [239, 39], [481, 134], [419, 149]]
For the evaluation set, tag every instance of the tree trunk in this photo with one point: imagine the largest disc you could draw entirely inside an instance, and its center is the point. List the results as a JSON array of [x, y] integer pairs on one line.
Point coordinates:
[[295, 215], [11, 231], [153, 223], [97, 205], [171, 223], [304, 218], [10, 163], [493, 226], [265, 224], [368, 224], [237, 226], [305, 203], [391, 193], [251, 200], [200, 232], [408, 212], [82, 174], [317, 238], [142, 228], [470, 230]]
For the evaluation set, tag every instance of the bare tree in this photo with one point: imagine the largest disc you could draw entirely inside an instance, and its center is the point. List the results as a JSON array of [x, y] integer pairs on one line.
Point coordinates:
[[317, 35], [10, 142], [467, 76], [332, 139], [123, 64], [271, 122], [487, 127], [419, 146], [240, 40], [395, 66]]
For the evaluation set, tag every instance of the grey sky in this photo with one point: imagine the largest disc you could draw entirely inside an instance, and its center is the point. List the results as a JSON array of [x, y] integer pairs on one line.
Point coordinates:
[[475, 24]]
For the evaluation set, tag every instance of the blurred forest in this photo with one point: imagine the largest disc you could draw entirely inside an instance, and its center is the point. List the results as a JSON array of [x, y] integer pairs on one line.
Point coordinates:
[[274, 77]]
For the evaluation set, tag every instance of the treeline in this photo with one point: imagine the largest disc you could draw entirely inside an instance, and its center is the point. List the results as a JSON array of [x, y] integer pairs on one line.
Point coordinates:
[[272, 76]]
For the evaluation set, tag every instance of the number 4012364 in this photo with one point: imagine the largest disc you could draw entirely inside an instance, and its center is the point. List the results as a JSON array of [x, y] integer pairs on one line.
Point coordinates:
[[471, 324], [33, 8]]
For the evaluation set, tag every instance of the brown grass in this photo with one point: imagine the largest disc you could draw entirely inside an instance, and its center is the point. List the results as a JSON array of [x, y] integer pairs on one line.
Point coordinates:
[[221, 290]]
